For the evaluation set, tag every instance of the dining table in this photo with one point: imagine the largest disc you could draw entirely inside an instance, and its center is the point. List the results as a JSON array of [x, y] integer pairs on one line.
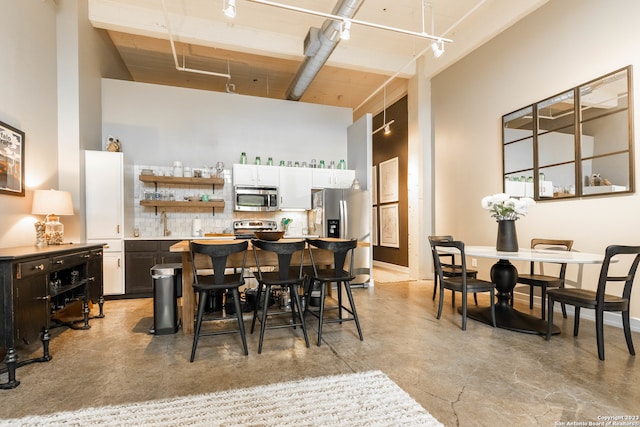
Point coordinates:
[[321, 257], [505, 276]]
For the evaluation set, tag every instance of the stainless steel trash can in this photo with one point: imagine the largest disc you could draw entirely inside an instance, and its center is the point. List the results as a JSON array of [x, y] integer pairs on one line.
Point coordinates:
[[167, 286]]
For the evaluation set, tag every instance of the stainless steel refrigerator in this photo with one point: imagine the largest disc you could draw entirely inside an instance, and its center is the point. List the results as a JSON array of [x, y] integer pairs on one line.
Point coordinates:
[[345, 214]]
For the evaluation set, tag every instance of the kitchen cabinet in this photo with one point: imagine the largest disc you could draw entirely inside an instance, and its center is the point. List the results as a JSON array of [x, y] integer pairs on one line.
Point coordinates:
[[104, 198], [140, 256], [295, 188], [104, 194], [332, 178], [38, 283], [256, 175], [113, 267]]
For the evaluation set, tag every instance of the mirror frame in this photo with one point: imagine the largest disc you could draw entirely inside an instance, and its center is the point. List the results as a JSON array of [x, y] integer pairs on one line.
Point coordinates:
[[526, 144]]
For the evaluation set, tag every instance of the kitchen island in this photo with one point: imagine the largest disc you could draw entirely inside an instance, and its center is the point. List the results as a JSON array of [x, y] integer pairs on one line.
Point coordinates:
[[321, 256]]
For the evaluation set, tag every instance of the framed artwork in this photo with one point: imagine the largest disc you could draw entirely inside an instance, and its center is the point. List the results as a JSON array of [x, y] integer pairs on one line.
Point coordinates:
[[389, 180], [374, 226], [11, 160], [374, 185], [389, 228]]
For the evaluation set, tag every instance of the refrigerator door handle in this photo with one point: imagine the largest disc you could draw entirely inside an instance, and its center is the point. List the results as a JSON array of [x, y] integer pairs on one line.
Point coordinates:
[[343, 219]]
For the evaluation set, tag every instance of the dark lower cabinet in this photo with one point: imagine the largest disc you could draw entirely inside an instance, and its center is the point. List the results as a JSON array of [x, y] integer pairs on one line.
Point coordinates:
[[37, 286], [139, 257]]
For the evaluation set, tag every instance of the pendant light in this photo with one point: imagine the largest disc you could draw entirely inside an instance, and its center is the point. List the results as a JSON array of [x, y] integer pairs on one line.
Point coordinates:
[[386, 126]]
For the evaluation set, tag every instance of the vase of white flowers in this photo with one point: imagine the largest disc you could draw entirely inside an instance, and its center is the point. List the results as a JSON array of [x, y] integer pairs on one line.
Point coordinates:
[[506, 210]]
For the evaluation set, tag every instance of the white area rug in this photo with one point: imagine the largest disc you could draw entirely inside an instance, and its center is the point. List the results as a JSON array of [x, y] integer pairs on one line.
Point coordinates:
[[361, 399]]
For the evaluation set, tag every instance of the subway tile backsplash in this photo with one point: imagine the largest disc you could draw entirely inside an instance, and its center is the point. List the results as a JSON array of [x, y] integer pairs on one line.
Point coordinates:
[[180, 220]]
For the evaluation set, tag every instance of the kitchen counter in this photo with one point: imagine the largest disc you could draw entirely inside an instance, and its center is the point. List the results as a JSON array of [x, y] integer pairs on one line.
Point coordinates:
[[176, 237], [217, 237]]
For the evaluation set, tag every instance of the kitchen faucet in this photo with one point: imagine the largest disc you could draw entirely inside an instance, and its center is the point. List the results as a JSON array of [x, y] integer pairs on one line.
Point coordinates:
[[163, 220]]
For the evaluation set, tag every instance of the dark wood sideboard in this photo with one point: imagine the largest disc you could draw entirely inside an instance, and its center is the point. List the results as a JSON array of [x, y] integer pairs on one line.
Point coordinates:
[[36, 284]]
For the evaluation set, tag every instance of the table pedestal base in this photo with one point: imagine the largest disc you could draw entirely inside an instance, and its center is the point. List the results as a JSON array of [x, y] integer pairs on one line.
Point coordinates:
[[508, 318]]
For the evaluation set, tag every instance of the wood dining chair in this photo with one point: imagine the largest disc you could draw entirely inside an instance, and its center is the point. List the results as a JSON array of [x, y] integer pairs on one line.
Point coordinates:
[[341, 274], [219, 281], [462, 283], [449, 269], [288, 276], [541, 280], [604, 298]]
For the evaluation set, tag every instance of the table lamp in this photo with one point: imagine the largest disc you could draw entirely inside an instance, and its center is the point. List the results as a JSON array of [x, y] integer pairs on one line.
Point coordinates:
[[51, 203]]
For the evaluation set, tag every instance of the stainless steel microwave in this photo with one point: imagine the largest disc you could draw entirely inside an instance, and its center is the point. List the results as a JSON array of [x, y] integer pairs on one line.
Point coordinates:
[[256, 199]]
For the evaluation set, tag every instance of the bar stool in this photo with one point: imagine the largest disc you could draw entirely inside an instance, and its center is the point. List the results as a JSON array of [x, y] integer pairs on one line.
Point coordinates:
[[219, 281], [342, 249], [287, 276]]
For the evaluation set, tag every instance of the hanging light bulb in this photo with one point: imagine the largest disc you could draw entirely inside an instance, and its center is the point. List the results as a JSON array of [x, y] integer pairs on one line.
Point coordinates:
[[386, 126], [387, 129], [229, 8]]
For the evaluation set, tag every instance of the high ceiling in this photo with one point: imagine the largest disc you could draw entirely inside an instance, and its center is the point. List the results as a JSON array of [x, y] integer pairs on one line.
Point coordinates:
[[262, 47]]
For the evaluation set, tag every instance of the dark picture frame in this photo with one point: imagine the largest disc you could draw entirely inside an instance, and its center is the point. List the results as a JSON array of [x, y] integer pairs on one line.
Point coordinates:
[[11, 160]]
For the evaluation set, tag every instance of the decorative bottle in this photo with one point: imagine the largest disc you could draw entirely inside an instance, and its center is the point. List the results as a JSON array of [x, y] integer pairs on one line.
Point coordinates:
[[243, 158]]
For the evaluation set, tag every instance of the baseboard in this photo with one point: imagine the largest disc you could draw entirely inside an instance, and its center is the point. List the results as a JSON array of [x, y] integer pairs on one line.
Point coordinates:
[[610, 318], [394, 267]]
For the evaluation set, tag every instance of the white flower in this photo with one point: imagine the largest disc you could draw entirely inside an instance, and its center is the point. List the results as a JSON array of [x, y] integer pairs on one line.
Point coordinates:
[[503, 207]]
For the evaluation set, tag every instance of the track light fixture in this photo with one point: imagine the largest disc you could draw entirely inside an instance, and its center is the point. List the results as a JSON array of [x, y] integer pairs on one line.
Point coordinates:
[[437, 46], [229, 8], [345, 32]]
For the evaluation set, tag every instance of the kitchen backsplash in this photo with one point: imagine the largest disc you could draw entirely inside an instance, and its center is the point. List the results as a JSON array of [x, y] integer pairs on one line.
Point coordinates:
[[180, 220]]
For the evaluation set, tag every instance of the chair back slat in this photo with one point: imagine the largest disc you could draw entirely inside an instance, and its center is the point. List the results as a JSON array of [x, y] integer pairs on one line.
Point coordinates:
[[628, 279], [342, 249], [285, 252], [218, 253], [551, 244]]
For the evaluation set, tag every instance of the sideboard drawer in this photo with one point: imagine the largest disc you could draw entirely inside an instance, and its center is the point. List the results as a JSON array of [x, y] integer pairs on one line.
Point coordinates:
[[32, 268]]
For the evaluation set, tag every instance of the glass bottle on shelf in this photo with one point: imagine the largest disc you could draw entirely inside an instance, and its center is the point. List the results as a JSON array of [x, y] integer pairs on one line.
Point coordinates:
[[270, 161], [342, 165], [243, 158], [258, 161], [321, 164]]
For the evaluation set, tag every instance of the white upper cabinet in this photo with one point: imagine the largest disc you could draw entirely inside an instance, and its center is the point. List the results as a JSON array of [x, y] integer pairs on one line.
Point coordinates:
[[104, 194], [256, 175], [332, 178], [295, 188]]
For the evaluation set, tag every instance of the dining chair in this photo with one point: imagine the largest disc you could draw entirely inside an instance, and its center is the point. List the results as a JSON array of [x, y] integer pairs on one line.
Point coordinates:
[[341, 274], [462, 283], [219, 281], [541, 280], [449, 269], [288, 277], [603, 299]]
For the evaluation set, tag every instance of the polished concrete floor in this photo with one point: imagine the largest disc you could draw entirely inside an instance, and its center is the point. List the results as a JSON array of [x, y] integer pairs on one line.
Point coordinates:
[[481, 377]]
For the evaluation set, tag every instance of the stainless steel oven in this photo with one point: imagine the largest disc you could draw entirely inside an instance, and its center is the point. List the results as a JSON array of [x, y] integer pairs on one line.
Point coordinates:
[[255, 199]]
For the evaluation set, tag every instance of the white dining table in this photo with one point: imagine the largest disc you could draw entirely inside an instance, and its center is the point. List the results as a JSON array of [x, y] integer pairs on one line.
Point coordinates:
[[505, 276]]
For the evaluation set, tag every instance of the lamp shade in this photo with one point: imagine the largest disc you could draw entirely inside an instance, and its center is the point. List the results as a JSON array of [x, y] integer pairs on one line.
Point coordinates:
[[52, 202]]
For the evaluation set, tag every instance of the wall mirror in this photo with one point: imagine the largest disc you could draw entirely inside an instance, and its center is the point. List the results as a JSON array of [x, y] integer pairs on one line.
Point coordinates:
[[573, 144]]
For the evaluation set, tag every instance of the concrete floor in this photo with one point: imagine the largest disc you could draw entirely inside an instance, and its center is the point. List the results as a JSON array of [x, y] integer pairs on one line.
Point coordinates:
[[480, 377]]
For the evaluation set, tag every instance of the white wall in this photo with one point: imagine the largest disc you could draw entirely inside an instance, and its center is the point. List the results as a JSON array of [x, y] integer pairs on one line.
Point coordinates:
[[159, 124], [28, 88], [561, 45]]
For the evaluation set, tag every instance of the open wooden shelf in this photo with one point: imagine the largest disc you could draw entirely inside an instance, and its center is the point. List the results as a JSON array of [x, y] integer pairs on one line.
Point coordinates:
[[180, 180], [216, 203]]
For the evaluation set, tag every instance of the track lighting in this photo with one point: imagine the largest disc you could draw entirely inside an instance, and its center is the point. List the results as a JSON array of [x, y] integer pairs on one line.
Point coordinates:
[[437, 46], [345, 33], [387, 129], [229, 8]]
